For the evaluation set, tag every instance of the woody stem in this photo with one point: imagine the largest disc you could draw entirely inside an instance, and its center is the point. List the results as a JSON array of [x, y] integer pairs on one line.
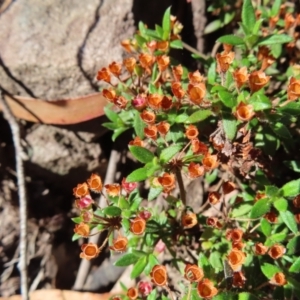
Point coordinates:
[[106, 239], [181, 186], [169, 292], [189, 292]]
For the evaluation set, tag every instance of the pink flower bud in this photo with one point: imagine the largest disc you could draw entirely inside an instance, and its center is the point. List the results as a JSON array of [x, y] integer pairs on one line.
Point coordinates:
[[145, 214], [139, 102], [144, 288], [160, 246], [128, 186], [84, 202]]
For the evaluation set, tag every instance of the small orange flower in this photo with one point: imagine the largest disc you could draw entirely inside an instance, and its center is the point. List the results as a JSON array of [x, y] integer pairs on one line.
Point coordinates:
[[129, 64], [296, 201], [293, 90], [195, 77], [196, 93], [191, 132], [159, 275], [238, 279], [132, 293], [224, 60], [236, 258], [273, 21], [154, 101], [210, 162], [119, 244], [227, 48], [166, 103], [163, 127], [162, 46], [271, 217], [289, 21], [148, 117], [109, 94], [152, 45], [167, 180], [104, 75], [260, 249], [213, 222], [228, 187], [137, 226], [206, 289], [121, 102], [235, 235], [278, 279], [146, 60], [113, 190], [193, 273], [258, 80], [82, 229], [240, 76], [189, 220], [199, 147], [259, 195], [177, 72], [89, 251], [214, 198], [195, 170], [276, 251], [81, 190], [151, 132], [177, 90], [163, 62], [115, 68], [238, 245], [126, 44], [95, 183], [136, 142], [244, 112]]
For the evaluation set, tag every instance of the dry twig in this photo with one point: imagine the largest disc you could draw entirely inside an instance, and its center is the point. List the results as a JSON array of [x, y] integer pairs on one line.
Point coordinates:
[[15, 130]]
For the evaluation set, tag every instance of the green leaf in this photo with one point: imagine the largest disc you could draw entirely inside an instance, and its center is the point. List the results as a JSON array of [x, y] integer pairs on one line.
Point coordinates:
[[139, 125], [113, 211], [293, 165], [139, 267], [126, 260], [295, 267], [230, 126], [227, 98], [176, 44], [231, 40], [242, 210], [141, 154], [152, 295], [257, 26], [265, 227], [281, 204], [213, 26], [140, 40], [274, 39], [166, 25], [247, 296], [215, 260], [76, 237], [77, 220], [111, 115], [138, 175], [159, 31], [154, 192], [142, 28], [260, 102], [289, 220], [152, 226], [271, 191], [276, 238], [291, 189], [152, 261], [281, 131], [248, 15], [228, 17], [261, 207], [293, 245], [269, 270], [198, 116], [275, 8], [118, 132], [168, 153]]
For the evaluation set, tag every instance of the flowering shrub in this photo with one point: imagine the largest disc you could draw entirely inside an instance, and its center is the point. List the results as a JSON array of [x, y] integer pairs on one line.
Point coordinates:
[[236, 126]]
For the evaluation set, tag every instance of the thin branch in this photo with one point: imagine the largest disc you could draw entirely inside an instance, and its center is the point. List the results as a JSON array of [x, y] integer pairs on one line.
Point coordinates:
[[15, 130], [85, 265], [193, 50]]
